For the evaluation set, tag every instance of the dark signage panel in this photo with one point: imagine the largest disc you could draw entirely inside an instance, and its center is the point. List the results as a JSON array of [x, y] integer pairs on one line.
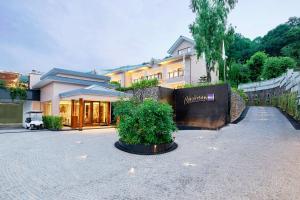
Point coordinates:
[[202, 107]]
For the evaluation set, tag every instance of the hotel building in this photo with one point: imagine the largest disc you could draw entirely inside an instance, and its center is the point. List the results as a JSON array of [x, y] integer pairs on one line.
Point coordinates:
[[180, 67], [81, 99]]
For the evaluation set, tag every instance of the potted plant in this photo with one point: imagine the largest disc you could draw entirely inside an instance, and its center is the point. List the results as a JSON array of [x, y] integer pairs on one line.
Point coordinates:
[[145, 127]]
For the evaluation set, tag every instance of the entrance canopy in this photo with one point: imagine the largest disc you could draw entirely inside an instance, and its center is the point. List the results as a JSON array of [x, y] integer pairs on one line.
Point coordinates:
[[94, 93]]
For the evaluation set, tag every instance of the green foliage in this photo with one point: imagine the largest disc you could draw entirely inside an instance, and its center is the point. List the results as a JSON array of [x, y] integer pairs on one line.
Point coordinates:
[[255, 64], [147, 122], [209, 29], [292, 49], [2, 84], [53, 122], [241, 93], [18, 92], [202, 84], [116, 84], [288, 103], [284, 40], [140, 85], [238, 73], [241, 49], [275, 66], [145, 84]]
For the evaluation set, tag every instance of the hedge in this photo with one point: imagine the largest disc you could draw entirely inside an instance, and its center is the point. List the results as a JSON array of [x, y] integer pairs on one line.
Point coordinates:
[[140, 85], [288, 103], [53, 122], [147, 122]]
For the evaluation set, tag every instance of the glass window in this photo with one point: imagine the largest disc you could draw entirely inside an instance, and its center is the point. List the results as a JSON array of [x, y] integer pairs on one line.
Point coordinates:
[[65, 112]]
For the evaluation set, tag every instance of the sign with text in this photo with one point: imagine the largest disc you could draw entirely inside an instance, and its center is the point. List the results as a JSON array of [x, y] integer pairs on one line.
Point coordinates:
[[202, 107], [199, 98]]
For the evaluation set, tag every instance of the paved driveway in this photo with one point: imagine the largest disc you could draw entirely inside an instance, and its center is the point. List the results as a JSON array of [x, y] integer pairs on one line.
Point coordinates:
[[259, 158]]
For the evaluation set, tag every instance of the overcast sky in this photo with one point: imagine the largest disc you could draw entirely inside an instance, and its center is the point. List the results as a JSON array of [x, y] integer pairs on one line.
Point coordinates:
[[100, 34]]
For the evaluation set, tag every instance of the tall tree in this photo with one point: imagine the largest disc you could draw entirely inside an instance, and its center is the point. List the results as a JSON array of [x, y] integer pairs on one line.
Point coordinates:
[[209, 29], [255, 64]]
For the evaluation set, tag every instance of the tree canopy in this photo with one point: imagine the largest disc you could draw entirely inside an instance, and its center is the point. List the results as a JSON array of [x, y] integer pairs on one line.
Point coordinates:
[[264, 57], [209, 29], [284, 40]]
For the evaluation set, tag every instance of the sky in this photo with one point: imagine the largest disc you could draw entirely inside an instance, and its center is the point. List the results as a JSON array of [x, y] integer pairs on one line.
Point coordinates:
[[100, 34]]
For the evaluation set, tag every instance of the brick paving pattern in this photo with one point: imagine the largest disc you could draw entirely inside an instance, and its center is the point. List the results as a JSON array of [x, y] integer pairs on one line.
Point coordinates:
[[259, 158]]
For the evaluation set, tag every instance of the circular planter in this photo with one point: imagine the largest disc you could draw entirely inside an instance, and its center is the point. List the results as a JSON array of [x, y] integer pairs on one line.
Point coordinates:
[[144, 149]]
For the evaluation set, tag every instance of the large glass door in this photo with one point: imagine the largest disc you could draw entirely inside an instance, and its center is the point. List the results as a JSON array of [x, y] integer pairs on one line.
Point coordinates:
[[87, 113], [104, 113], [96, 113]]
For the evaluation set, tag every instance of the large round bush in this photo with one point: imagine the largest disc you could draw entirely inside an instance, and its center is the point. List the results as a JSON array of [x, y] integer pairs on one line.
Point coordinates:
[[147, 122]]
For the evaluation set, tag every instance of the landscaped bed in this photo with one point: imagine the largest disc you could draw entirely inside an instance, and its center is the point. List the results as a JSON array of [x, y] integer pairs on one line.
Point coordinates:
[[145, 127]]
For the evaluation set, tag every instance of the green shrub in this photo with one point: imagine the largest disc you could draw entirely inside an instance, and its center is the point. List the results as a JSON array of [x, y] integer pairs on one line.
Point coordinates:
[[274, 101], [257, 102], [140, 85], [192, 85], [18, 92], [289, 103], [275, 66], [2, 84], [116, 84], [147, 122], [145, 84], [53, 122], [241, 93]]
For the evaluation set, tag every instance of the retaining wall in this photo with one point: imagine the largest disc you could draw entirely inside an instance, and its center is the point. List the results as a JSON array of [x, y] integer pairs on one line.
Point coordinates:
[[261, 93]]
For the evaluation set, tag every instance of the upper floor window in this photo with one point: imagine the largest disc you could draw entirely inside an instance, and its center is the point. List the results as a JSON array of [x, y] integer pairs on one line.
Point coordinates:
[[176, 73], [184, 51]]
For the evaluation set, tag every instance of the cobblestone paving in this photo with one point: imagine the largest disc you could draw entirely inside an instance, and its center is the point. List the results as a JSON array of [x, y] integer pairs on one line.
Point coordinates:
[[259, 158]]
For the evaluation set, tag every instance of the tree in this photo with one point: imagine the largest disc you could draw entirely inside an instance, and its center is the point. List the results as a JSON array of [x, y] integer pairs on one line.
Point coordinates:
[[285, 36], [2, 84], [241, 49], [238, 73], [276, 66], [255, 64], [294, 21], [292, 49], [209, 29], [275, 40]]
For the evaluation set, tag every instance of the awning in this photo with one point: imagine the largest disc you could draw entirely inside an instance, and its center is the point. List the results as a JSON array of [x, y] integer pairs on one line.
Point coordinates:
[[94, 93]]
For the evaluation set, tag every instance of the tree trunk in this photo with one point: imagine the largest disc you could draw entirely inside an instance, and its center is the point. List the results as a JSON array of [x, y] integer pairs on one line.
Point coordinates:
[[208, 76]]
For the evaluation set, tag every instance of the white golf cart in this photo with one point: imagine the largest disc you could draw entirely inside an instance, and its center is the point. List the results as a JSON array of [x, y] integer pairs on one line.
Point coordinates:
[[34, 120]]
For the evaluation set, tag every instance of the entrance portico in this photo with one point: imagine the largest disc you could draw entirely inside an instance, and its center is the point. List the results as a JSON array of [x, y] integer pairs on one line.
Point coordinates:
[[89, 106]]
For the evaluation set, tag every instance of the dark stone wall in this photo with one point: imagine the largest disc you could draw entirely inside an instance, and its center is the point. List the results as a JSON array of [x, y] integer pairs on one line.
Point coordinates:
[[263, 97], [201, 114], [237, 106]]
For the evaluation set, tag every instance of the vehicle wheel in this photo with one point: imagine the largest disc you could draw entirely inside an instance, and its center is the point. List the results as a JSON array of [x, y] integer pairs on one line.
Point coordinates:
[[27, 127], [31, 126], [41, 126]]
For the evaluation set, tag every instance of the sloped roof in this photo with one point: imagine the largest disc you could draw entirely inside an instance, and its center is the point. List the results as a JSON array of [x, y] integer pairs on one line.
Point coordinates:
[[126, 68], [49, 79], [56, 71], [178, 42], [94, 90]]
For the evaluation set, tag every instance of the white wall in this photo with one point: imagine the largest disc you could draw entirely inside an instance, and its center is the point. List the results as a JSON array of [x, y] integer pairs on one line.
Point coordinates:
[[34, 78], [51, 93], [183, 45]]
